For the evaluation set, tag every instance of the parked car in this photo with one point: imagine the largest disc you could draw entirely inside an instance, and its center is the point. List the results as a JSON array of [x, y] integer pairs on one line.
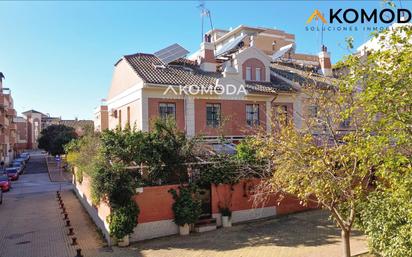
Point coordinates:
[[13, 173], [17, 165], [5, 183], [25, 156], [22, 160]]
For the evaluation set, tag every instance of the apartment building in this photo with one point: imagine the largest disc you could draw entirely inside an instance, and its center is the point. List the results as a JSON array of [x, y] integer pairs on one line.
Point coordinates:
[[8, 127], [249, 74], [37, 121], [22, 136]]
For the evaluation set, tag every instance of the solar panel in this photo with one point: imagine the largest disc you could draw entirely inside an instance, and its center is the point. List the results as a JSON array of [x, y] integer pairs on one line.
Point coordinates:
[[283, 50], [229, 46], [171, 53]]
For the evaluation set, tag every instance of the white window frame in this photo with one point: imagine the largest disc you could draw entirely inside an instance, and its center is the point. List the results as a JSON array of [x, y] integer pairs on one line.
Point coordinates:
[[248, 73], [258, 74], [252, 114]]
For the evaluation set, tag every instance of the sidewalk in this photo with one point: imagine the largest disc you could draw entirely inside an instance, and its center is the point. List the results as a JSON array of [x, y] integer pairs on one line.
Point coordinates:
[[56, 173]]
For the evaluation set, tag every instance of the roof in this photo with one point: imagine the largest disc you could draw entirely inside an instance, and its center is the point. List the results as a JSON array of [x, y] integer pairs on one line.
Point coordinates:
[[76, 123], [19, 119], [275, 85], [186, 72], [32, 111], [148, 67], [302, 75]]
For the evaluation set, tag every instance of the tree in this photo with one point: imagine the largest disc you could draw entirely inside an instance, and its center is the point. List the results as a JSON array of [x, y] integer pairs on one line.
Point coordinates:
[[324, 162], [385, 78], [83, 153], [54, 137], [362, 172]]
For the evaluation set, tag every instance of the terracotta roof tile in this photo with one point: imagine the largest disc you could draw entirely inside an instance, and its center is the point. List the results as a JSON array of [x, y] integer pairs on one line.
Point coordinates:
[[187, 72], [301, 76], [148, 67]]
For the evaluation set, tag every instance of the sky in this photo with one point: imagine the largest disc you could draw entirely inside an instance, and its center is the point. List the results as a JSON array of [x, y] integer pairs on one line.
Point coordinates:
[[58, 57]]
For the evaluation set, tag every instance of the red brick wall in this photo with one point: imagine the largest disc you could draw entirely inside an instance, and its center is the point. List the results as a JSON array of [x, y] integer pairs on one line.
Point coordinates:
[[254, 63], [155, 203], [180, 113], [233, 115], [241, 196]]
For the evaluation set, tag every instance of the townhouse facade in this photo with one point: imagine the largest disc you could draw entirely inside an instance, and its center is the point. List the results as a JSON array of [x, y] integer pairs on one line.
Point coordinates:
[[8, 127], [250, 75]]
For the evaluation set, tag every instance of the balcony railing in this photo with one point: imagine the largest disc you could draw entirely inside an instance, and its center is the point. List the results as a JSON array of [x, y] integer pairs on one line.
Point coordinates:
[[11, 112]]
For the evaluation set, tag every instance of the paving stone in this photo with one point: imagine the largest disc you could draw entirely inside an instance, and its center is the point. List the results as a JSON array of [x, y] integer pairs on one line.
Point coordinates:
[[31, 225]]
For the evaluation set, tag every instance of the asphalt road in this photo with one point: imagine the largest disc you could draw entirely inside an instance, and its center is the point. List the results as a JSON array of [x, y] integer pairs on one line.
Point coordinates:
[[36, 164]]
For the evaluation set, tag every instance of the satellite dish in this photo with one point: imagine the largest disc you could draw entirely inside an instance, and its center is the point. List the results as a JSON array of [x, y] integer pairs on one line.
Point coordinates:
[[171, 53], [282, 51]]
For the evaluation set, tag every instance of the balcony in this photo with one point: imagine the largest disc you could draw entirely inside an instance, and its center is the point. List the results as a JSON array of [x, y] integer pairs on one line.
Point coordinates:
[[4, 122], [4, 138], [11, 112]]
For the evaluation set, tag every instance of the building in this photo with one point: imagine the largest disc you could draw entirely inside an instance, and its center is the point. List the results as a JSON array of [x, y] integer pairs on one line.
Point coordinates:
[[101, 118], [37, 121], [249, 75], [7, 125], [22, 135]]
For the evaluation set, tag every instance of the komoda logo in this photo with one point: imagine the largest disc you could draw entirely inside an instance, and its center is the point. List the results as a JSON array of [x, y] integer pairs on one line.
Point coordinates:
[[363, 16]]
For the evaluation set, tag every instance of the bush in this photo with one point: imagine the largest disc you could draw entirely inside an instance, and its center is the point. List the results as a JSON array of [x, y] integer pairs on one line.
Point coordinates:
[[222, 170], [83, 153], [186, 208], [386, 219], [123, 220]]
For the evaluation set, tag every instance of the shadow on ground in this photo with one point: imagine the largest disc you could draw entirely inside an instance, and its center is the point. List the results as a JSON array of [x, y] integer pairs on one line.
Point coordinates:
[[311, 228]]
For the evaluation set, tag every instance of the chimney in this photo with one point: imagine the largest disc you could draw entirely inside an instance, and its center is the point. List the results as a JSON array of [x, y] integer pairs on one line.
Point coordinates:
[[324, 60], [207, 57], [1, 80]]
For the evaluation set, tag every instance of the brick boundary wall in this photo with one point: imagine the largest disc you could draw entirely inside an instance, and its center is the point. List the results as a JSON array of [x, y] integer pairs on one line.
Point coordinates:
[[156, 215], [97, 213]]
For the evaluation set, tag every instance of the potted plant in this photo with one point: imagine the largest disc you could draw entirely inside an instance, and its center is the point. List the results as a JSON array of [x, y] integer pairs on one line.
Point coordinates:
[[186, 208], [226, 216]]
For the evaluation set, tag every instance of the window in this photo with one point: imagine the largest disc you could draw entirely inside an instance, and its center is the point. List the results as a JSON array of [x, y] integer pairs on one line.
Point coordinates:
[[120, 118], [313, 111], [167, 110], [282, 113], [252, 114], [213, 115], [128, 115], [257, 75], [248, 73]]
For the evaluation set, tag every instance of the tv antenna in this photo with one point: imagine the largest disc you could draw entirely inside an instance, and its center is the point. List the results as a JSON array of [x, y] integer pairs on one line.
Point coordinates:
[[204, 12]]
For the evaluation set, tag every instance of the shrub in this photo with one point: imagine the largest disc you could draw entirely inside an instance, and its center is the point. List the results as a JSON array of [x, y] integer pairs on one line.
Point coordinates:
[[123, 220], [186, 208]]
